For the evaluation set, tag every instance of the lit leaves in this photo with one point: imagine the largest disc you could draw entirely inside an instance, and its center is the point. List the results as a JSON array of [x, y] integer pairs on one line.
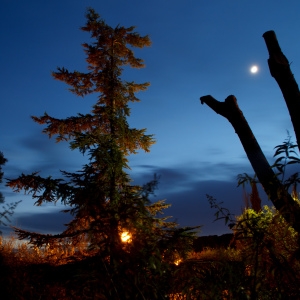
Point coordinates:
[[100, 194], [67, 128], [134, 139], [116, 42], [81, 82]]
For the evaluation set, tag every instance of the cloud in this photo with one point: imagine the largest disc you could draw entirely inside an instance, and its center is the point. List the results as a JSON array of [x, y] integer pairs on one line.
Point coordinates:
[[42, 155], [184, 185], [45, 222], [50, 220]]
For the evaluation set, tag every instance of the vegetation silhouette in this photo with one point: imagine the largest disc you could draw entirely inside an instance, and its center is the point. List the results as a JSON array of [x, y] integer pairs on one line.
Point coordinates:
[[8, 208]]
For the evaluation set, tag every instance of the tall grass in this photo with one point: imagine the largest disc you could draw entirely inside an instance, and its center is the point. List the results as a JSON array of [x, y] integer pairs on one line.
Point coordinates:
[[263, 265]]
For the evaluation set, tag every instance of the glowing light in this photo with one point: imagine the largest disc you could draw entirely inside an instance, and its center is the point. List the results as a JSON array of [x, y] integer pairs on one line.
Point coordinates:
[[177, 261], [254, 69], [126, 237]]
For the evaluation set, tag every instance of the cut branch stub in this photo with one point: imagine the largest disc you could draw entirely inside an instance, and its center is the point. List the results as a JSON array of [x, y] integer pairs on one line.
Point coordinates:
[[231, 111]]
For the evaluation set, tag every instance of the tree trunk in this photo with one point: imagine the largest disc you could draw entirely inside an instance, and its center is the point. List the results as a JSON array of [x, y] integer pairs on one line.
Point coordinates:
[[280, 197], [280, 70]]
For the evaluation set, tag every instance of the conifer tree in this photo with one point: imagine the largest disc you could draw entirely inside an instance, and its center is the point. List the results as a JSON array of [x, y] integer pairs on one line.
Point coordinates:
[[101, 190], [100, 196]]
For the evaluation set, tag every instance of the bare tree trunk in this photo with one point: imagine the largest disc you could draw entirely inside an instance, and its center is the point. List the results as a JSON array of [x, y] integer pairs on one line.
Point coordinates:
[[280, 197], [280, 70]]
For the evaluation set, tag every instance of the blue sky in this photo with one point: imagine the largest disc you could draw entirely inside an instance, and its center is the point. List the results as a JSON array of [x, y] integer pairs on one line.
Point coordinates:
[[198, 48]]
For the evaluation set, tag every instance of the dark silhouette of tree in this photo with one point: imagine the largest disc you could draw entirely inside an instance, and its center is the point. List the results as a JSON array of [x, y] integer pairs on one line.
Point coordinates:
[[275, 189], [3, 160], [280, 70], [9, 208]]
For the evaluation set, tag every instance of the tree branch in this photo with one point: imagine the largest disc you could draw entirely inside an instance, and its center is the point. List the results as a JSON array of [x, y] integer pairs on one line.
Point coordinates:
[[281, 71], [281, 199]]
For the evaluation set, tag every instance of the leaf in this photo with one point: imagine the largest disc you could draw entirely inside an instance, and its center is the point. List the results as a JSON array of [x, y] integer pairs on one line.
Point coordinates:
[[279, 159], [296, 159]]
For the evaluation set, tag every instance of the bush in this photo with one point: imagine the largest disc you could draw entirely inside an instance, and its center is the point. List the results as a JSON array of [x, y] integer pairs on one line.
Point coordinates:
[[269, 247]]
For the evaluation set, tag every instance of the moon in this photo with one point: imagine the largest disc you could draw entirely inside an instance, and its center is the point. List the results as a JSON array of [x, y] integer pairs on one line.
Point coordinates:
[[254, 69]]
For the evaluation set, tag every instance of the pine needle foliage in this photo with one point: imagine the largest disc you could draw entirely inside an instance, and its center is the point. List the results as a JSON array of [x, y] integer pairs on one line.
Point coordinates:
[[99, 196]]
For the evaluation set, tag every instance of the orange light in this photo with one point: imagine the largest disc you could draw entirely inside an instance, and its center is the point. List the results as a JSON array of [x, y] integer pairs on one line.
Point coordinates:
[[126, 237]]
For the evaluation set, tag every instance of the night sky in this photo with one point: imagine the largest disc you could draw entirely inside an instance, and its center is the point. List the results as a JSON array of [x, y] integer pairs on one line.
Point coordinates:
[[198, 48]]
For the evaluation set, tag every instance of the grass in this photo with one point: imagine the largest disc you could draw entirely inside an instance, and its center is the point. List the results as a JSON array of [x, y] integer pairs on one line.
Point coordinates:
[[64, 272]]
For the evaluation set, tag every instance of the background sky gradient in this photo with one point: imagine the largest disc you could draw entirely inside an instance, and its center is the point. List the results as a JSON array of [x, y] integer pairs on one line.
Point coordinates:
[[198, 48]]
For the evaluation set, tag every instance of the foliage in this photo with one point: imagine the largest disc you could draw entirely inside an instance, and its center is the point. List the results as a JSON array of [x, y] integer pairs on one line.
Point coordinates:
[[269, 246], [221, 212], [3, 160], [254, 198], [100, 196], [7, 212], [266, 259], [50, 272], [89, 260], [287, 156], [37, 273], [8, 208]]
